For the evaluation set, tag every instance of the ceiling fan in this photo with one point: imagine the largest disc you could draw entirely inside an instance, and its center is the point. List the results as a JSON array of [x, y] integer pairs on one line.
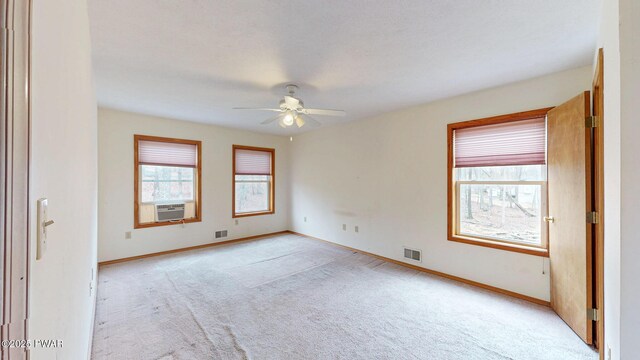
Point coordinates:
[[291, 110]]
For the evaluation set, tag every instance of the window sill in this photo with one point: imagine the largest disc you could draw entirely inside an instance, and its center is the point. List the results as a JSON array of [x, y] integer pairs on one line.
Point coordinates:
[[500, 245], [270, 212], [165, 223]]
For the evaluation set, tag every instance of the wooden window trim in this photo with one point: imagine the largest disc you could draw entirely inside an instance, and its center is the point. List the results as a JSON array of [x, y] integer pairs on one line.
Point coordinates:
[[451, 207], [272, 194], [136, 177]]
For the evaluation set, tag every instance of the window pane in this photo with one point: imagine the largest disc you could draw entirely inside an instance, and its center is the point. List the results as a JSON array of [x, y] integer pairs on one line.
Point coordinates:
[[503, 212], [167, 183], [503, 173], [252, 193]]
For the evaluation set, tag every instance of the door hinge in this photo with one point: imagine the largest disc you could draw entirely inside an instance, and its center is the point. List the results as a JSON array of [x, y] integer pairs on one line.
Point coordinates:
[[592, 122], [592, 314], [592, 217]]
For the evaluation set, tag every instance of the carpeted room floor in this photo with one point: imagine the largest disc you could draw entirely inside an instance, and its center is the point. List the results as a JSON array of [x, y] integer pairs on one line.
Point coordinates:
[[290, 297]]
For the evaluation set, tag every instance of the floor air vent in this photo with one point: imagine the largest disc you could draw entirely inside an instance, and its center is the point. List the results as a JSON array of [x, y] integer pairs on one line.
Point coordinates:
[[412, 254], [221, 234]]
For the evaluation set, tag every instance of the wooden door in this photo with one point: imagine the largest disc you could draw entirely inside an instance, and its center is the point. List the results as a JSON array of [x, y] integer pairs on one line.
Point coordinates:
[[569, 190]]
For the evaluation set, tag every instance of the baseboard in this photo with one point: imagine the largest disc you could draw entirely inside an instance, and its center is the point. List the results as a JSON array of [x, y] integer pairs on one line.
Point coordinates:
[[254, 237], [438, 273]]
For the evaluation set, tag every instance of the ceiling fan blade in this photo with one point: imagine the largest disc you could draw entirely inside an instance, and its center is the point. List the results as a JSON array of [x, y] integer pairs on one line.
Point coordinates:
[[327, 112], [292, 103], [299, 121], [263, 109], [272, 119], [309, 120]]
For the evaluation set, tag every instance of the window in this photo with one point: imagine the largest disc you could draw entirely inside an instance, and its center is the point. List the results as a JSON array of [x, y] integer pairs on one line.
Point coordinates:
[[167, 171], [253, 181], [498, 182], [167, 183]]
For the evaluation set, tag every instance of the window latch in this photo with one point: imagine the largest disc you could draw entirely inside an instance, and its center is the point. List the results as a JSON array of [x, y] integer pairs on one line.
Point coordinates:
[[549, 219]]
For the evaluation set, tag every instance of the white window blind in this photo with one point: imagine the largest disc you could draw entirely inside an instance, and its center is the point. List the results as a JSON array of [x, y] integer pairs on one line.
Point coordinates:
[[520, 142], [252, 162], [167, 153]]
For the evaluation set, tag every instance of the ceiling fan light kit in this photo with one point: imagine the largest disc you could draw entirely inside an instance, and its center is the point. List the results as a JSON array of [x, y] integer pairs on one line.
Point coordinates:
[[288, 118], [292, 111]]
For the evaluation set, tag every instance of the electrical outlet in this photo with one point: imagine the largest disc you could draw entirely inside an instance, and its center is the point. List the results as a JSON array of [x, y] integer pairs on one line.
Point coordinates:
[[237, 222], [305, 219], [357, 229], [608, 353], [344, 227], [127, 235]]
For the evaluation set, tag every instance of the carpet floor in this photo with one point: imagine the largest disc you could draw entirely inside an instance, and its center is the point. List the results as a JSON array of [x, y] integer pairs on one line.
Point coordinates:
[[290, 297]]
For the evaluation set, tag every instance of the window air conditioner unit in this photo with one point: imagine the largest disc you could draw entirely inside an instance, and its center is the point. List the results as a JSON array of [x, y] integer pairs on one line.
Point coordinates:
[[169, 212]]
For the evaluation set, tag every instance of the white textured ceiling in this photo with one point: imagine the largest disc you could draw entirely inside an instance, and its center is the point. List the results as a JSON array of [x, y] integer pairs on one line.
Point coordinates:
[[197, 59]]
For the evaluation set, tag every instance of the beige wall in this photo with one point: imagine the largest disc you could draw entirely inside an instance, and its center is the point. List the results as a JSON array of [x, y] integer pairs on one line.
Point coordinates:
[[608, 39], [387, 175], [63, 169], [630, 178], [116, 130], [618, 36]]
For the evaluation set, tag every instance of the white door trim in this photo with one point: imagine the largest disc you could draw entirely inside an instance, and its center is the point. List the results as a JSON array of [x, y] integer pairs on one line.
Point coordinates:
[[15, 21]]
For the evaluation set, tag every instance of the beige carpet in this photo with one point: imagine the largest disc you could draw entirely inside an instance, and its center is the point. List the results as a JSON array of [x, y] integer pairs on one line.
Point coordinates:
[[289, 297]]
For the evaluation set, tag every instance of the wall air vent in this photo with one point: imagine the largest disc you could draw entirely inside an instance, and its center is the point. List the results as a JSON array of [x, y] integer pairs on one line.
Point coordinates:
[[412, 254], [221, 234]]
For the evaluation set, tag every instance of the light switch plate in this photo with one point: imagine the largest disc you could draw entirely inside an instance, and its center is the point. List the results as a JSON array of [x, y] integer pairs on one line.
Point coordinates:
[[41, 246]]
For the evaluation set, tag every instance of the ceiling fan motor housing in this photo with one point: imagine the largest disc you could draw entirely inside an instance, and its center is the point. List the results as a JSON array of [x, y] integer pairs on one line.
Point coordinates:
[[283, 105]]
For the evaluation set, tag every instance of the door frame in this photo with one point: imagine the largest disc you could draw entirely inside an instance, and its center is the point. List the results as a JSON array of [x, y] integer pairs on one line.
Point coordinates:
[[597, 110], [15, 128]]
